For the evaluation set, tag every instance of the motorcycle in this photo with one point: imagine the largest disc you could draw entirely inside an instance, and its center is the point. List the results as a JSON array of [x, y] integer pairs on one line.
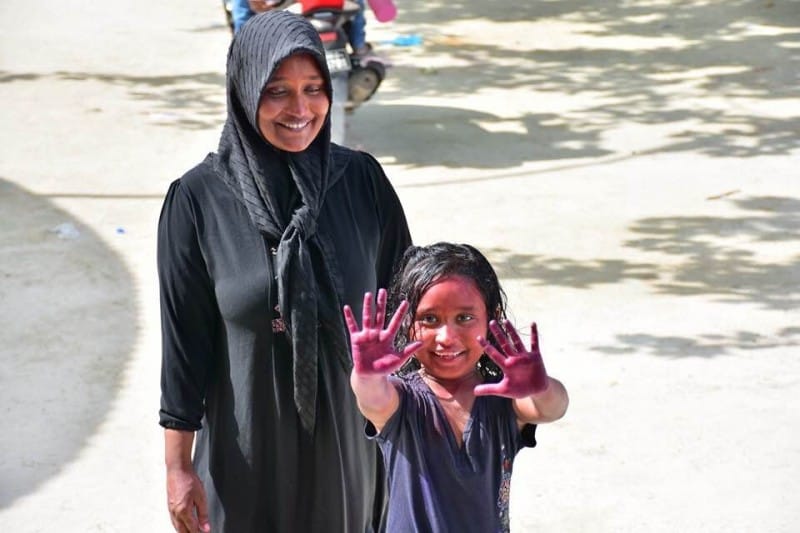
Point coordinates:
[[354, 78]]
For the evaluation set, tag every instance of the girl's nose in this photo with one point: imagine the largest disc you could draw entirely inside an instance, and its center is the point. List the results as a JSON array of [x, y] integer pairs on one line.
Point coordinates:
[[444, 335]]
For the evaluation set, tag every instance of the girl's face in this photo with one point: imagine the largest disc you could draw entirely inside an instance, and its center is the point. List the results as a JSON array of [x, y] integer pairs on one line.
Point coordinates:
[[294, 104], [450, 316]]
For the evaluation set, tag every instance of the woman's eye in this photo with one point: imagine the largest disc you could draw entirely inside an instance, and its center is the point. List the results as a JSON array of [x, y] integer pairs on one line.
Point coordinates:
[[275, 92], [465, 318], [314, 89]]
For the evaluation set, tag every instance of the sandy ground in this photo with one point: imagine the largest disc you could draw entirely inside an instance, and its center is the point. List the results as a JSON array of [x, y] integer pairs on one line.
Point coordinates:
[[630, 168]]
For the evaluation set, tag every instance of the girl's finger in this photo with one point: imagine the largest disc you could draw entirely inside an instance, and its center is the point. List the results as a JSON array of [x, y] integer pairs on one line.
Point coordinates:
[[500, 337], [409, 350], [397, 318], [534, 338], [366, 312], [350, 319], [380, 312], [487, 389], [493, 353], [519, 346]]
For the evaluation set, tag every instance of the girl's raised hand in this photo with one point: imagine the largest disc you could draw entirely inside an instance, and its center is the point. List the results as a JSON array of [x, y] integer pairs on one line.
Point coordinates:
[[523, 371], [372, 346]]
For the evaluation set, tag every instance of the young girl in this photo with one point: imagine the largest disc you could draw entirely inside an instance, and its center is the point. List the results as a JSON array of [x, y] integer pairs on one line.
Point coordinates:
[[450, 424]]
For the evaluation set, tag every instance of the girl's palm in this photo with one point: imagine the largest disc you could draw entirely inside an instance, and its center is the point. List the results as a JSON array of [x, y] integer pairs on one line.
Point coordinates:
[[523, 371], [372, 346]]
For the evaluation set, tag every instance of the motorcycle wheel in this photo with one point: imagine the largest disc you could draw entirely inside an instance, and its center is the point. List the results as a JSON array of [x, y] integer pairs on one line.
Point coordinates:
[[363, 83]]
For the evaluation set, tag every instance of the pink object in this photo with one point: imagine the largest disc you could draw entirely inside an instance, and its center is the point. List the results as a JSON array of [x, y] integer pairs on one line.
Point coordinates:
[[384, 10]]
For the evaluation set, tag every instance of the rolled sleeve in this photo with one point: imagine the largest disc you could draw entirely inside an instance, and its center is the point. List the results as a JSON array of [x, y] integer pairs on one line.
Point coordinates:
[[188, 313]]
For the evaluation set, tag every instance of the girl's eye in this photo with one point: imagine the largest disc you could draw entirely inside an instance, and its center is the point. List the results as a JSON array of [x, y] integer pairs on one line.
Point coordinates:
[[427, 320], [465, 318], [314, 89]]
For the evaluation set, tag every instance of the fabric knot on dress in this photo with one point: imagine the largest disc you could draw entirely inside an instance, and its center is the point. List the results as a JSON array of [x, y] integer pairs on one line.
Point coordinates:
[[264, 178], [305, 222]]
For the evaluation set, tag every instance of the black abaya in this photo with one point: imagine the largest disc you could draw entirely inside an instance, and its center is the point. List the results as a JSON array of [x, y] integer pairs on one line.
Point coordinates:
[[258, 250], [228, 375]]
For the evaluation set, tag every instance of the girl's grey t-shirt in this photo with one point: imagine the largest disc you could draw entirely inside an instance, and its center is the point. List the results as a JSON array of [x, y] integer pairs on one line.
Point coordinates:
[[436, 486]]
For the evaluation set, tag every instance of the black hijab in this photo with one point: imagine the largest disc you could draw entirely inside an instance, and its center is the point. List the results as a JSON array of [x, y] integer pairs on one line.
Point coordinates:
[[309, 286]]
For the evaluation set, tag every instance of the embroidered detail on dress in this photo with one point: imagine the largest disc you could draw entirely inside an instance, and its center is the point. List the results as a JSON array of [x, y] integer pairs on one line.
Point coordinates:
[[503, 497], [278, 325]]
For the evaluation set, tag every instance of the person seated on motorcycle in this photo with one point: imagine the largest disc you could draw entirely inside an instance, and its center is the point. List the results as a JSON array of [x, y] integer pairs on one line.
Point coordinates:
[[357, 33], [242, 10], [356, 29]]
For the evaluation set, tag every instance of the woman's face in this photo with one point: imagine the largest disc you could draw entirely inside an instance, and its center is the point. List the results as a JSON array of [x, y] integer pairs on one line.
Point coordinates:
[[294, 104], [450, 316]]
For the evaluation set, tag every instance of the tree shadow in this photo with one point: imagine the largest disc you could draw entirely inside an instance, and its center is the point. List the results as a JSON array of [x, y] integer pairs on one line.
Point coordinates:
[[713, 69], [718, 261], [718, 258], [458, 128], [710, 70], [704, 345], [189, 101], [539, 270], [69, 326]]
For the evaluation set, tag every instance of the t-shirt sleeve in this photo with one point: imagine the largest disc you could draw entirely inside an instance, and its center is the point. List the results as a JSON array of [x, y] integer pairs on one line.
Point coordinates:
[[528, 436], [188, 313], [395, 235]]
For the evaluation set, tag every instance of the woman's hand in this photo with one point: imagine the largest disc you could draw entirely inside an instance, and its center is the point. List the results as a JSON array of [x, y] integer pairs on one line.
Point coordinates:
[[523, 370], [372, 346], [186, 499]]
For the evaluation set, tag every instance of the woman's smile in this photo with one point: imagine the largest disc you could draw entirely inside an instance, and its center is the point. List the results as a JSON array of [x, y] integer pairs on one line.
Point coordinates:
[[295, 126]]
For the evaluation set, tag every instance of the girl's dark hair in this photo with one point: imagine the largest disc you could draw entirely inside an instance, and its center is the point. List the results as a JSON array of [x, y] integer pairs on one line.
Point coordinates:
[[423, 266]]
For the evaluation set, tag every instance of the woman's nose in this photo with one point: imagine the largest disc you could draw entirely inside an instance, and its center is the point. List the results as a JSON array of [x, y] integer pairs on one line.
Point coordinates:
[[297, 104]]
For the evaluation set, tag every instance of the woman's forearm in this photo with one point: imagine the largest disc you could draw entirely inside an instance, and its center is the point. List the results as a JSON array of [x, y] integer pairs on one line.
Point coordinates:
[[178, 448]]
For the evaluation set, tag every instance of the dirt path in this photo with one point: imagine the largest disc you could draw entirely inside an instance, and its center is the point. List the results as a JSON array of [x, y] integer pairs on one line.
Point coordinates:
[[631, 170]]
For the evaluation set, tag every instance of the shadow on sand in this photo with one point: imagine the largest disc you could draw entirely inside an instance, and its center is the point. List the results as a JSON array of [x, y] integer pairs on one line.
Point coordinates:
[[68, 327], [709, 68], [713, 67], [717, 260]]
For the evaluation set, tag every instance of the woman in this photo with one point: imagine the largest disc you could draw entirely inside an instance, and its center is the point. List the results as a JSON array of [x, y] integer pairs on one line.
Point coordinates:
[[259, 246]]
